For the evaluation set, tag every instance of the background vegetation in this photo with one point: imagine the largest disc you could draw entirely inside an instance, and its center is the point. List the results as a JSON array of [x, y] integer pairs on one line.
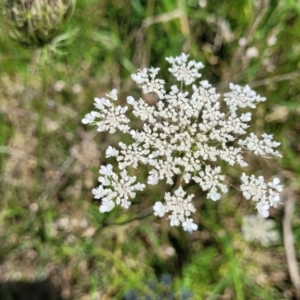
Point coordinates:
[[50, 227]]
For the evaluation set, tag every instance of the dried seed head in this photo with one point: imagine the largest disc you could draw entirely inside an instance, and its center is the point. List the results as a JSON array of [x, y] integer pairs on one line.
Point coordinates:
[[37, 22]]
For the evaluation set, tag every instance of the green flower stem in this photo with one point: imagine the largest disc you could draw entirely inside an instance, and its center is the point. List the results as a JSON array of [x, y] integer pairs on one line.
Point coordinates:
[[42, 106]]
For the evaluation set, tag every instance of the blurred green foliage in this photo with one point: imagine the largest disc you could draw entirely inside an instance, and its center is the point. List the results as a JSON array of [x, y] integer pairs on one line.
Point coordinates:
[[49, 224]]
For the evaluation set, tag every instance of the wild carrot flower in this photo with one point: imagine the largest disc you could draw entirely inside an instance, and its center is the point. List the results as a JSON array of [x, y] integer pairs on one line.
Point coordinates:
[[184, 138], [259, 229]]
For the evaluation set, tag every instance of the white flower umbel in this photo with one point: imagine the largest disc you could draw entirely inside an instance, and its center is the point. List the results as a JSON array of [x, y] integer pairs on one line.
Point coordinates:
[[186, 135], [180, 207], [263, 195], [115, 189], [259, 229]]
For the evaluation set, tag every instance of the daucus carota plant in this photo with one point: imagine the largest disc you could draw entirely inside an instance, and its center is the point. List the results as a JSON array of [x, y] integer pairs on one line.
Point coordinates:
[[184, 138]]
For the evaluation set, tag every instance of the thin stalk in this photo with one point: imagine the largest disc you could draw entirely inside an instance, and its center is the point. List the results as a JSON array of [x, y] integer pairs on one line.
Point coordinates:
[[40, 136], [42, 107]]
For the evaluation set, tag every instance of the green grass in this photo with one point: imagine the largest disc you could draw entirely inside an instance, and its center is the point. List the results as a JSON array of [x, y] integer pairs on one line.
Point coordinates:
[[50, 226]]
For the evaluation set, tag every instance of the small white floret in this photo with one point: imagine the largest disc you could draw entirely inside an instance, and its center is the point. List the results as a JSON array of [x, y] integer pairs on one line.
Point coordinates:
[[275, 185], [106, 170], [99, 192], [88, 119], [263, 209], [106, 206], [174, 221], [111, 151], [189, 226], [159, 209]]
